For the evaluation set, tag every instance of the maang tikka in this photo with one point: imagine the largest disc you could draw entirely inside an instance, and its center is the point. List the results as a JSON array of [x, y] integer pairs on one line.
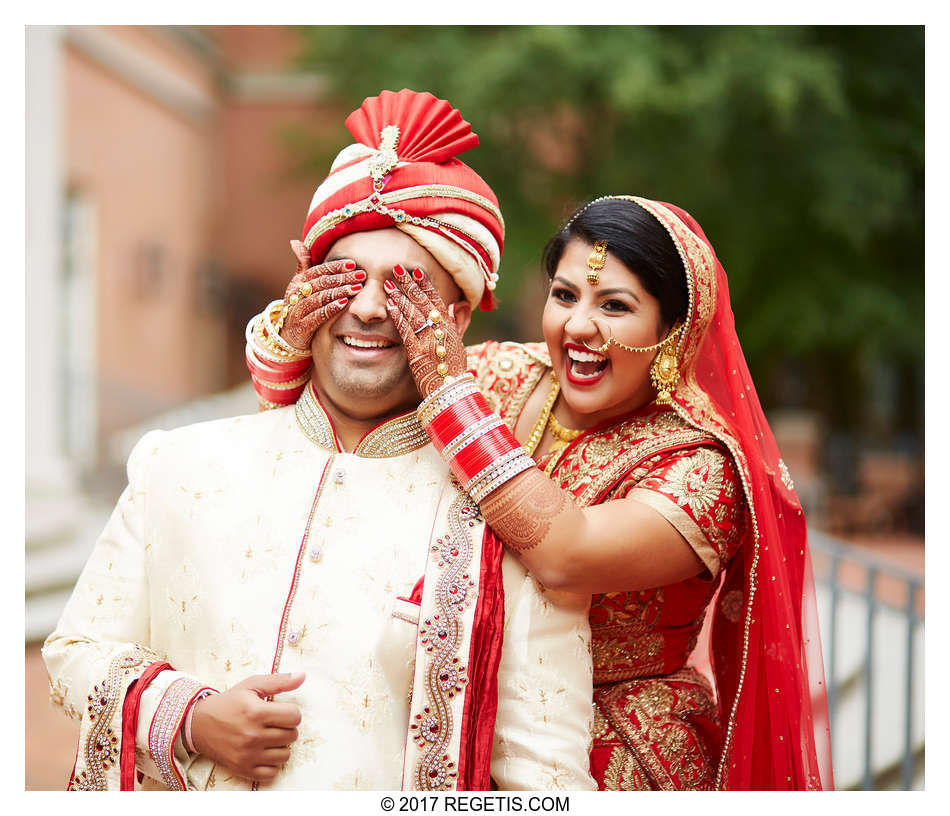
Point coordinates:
[[596, 261]]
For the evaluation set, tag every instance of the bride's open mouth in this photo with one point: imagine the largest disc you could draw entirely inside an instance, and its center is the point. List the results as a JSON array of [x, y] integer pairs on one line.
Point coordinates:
[[584, 367]]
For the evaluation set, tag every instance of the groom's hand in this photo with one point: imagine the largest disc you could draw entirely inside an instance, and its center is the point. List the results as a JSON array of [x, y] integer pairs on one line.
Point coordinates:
[[244, 731]]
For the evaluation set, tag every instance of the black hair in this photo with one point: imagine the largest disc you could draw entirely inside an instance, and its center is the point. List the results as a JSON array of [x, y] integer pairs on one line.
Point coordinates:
[[639, 241]]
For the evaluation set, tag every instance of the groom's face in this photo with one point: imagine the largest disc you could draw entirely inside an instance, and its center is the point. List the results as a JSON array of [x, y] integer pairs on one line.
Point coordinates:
[[359, 361]]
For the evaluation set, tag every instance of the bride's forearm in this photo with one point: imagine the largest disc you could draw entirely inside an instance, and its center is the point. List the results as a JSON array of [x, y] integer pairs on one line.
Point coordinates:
[[617, 546], [536, 519]]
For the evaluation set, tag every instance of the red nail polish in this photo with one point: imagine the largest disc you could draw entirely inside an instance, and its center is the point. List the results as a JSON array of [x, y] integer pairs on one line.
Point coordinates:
[[356, 287], [342, 301], [399, 270], [349, 266], [361, 275], [417, 274], [389, 286], [390, 303]]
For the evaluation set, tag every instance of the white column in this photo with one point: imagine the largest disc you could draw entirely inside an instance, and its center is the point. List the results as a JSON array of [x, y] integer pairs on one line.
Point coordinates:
[[45, 462], [57, 542]]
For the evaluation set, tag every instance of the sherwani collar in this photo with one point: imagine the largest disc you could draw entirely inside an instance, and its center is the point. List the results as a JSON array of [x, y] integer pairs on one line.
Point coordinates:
[[394, 437]]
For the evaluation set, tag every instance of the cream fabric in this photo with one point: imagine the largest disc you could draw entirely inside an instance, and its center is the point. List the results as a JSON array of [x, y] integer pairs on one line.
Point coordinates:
[[196, 564]]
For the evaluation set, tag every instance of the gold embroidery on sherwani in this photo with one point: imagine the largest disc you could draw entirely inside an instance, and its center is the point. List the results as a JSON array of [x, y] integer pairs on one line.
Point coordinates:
[[100, 748], [314, 422], [165, 725], [394, 437], [441, 634]]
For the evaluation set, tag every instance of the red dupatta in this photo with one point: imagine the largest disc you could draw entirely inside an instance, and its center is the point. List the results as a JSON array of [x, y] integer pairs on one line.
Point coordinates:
[[764, 645]]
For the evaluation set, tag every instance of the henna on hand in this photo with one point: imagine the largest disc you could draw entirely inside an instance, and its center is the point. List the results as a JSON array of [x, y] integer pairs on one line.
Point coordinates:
[[522, 510], [332, 285], [409, 310]]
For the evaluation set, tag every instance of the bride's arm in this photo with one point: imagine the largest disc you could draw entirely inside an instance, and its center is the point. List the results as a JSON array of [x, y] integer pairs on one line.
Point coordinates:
[[619, 545], [637, 542]]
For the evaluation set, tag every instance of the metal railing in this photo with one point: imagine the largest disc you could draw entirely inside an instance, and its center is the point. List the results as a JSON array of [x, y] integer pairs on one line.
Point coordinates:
[[872, 623]]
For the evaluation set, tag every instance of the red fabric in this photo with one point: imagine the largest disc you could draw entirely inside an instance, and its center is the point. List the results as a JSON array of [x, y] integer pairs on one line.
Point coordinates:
[[481, 693], [431, 135], [777, 706], [130, 721], [431, 130], [416, 595]]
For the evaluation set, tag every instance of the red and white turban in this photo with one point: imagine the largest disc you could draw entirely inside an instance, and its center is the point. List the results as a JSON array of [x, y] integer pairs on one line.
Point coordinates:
[[402, 172]]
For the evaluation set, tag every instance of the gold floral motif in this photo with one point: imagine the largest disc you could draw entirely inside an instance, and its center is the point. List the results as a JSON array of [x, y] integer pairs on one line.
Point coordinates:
[[595, 462], [600, 727], [657, 720], [696, 481], [624, 772], [626, 644]]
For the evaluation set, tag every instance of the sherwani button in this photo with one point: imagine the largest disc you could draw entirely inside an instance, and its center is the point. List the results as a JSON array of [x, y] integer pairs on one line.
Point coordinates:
[[316, 554], [339, 475]]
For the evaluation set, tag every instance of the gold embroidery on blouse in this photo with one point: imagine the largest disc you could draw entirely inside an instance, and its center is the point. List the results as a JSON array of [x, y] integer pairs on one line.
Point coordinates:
[[596, 461], [696, 481], [507, 377]]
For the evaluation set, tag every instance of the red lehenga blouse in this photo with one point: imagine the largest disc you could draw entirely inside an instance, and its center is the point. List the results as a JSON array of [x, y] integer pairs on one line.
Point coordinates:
[[709, 464], [656, 719]]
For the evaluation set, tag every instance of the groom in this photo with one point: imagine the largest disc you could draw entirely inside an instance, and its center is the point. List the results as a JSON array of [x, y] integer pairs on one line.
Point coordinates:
[[303, 598]]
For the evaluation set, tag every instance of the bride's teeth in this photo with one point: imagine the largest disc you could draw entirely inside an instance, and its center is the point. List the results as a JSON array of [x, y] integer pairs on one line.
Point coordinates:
[[353, 341], [582, 376], [584, 356]]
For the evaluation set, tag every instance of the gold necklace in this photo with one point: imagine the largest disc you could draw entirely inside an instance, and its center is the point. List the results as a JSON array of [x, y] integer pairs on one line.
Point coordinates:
[[538, 431], [563, 436]]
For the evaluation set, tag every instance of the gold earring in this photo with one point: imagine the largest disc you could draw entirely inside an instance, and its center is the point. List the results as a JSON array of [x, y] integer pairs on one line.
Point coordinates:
[[664, 373], [596, 261]]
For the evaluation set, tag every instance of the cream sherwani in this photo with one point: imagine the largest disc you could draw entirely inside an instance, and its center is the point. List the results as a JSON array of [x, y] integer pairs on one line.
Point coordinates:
[[252, 544]]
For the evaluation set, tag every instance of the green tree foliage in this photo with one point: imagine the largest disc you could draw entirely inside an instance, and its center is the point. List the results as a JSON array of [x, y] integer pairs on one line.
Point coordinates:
[[799, 150]]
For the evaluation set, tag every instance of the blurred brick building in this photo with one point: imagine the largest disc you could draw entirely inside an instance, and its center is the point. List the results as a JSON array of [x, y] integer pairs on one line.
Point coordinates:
[[162, 192]]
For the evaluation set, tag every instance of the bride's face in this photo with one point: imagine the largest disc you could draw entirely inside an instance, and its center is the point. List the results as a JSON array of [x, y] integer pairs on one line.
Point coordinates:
[[599, 386]]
